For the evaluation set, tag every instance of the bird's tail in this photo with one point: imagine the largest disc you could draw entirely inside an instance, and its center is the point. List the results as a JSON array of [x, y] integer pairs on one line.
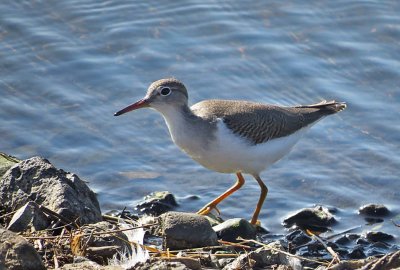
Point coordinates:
[[329, 106]]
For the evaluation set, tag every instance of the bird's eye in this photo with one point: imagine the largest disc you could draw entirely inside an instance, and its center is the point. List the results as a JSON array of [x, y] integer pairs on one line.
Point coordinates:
[[165, 91]]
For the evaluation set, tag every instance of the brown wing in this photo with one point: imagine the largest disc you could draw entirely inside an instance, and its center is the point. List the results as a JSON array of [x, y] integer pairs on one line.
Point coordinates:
[[260, 122]]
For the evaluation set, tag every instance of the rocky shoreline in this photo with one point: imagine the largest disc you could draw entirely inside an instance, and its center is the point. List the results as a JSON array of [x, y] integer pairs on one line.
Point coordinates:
[[50, 219]]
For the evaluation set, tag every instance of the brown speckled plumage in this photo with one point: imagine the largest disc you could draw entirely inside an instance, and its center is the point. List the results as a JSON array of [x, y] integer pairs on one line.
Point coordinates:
[[261, 122]]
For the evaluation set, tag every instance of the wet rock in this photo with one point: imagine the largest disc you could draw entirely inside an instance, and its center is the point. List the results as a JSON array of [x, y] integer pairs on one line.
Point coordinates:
[[372, 221], [6, 162], [157, 203], [374, 210], [342, 240], [233, 228], [353, 236], [121, 214], [186, 230], [362, 241], [317, 217], [357, 252], [101, 246], [298, 237], [28, 216], [17, 254], [378, 236], [36, 179]]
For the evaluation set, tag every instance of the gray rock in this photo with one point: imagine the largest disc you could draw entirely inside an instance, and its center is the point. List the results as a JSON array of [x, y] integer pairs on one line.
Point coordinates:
[[186, 230], [28, 216], [103, 246], [157, 203], [17, 254], [6, 162], [318, 216], [374, 210], [233, 228], [36, 179]]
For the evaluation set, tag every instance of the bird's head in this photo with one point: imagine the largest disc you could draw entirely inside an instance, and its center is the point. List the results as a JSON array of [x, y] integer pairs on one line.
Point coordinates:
[[161, 94]]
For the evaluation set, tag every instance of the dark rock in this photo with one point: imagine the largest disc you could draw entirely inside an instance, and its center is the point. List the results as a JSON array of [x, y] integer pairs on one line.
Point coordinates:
[[353, 236], [316, 217], [17, 254], [6, 162], [186, 230], [36, 179], [357, 253], [343, 240], [374, 210], [157, 203], [103, 246], [122, 214], [378, 236], [298, 237], [28, 216], [233, 228], [362, 241]]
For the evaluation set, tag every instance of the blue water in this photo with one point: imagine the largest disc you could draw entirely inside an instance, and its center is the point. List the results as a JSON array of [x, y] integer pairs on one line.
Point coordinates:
[[67, 66]]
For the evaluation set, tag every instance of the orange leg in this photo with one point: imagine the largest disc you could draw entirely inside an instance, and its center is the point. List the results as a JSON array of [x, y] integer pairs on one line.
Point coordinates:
[[263, 195], [213, 205]]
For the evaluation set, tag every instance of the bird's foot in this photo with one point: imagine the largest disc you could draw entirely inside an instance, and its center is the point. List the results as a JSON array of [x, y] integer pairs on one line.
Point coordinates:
[[207, 209]]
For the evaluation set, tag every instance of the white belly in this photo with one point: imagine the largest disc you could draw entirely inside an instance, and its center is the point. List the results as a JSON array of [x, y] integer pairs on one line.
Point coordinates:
[[230, 153]]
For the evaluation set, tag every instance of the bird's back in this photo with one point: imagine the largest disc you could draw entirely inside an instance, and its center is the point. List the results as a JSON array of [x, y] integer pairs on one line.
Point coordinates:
[[258, 122]]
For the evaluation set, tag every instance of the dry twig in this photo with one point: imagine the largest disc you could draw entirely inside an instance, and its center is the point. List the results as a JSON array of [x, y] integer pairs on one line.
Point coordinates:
[[335, 256]]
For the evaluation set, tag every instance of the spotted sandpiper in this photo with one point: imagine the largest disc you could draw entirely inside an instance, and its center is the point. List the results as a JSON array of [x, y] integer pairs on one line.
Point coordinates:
[[231, 136]]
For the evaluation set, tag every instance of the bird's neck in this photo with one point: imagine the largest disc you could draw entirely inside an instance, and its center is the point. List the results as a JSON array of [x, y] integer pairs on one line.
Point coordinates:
[[186, 128]]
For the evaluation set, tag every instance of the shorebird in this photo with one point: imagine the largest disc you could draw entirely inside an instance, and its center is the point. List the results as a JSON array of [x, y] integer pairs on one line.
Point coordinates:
[[231, 136]]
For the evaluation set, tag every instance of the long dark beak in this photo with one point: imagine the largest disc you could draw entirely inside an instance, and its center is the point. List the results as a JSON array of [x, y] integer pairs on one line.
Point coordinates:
[[143, 103]]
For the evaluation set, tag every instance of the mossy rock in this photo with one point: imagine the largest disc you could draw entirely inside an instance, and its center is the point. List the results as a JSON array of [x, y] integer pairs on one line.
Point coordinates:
[[6, 162]]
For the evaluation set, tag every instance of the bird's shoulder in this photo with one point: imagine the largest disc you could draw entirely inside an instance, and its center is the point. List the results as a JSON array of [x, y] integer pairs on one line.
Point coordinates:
[[224, 109]]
